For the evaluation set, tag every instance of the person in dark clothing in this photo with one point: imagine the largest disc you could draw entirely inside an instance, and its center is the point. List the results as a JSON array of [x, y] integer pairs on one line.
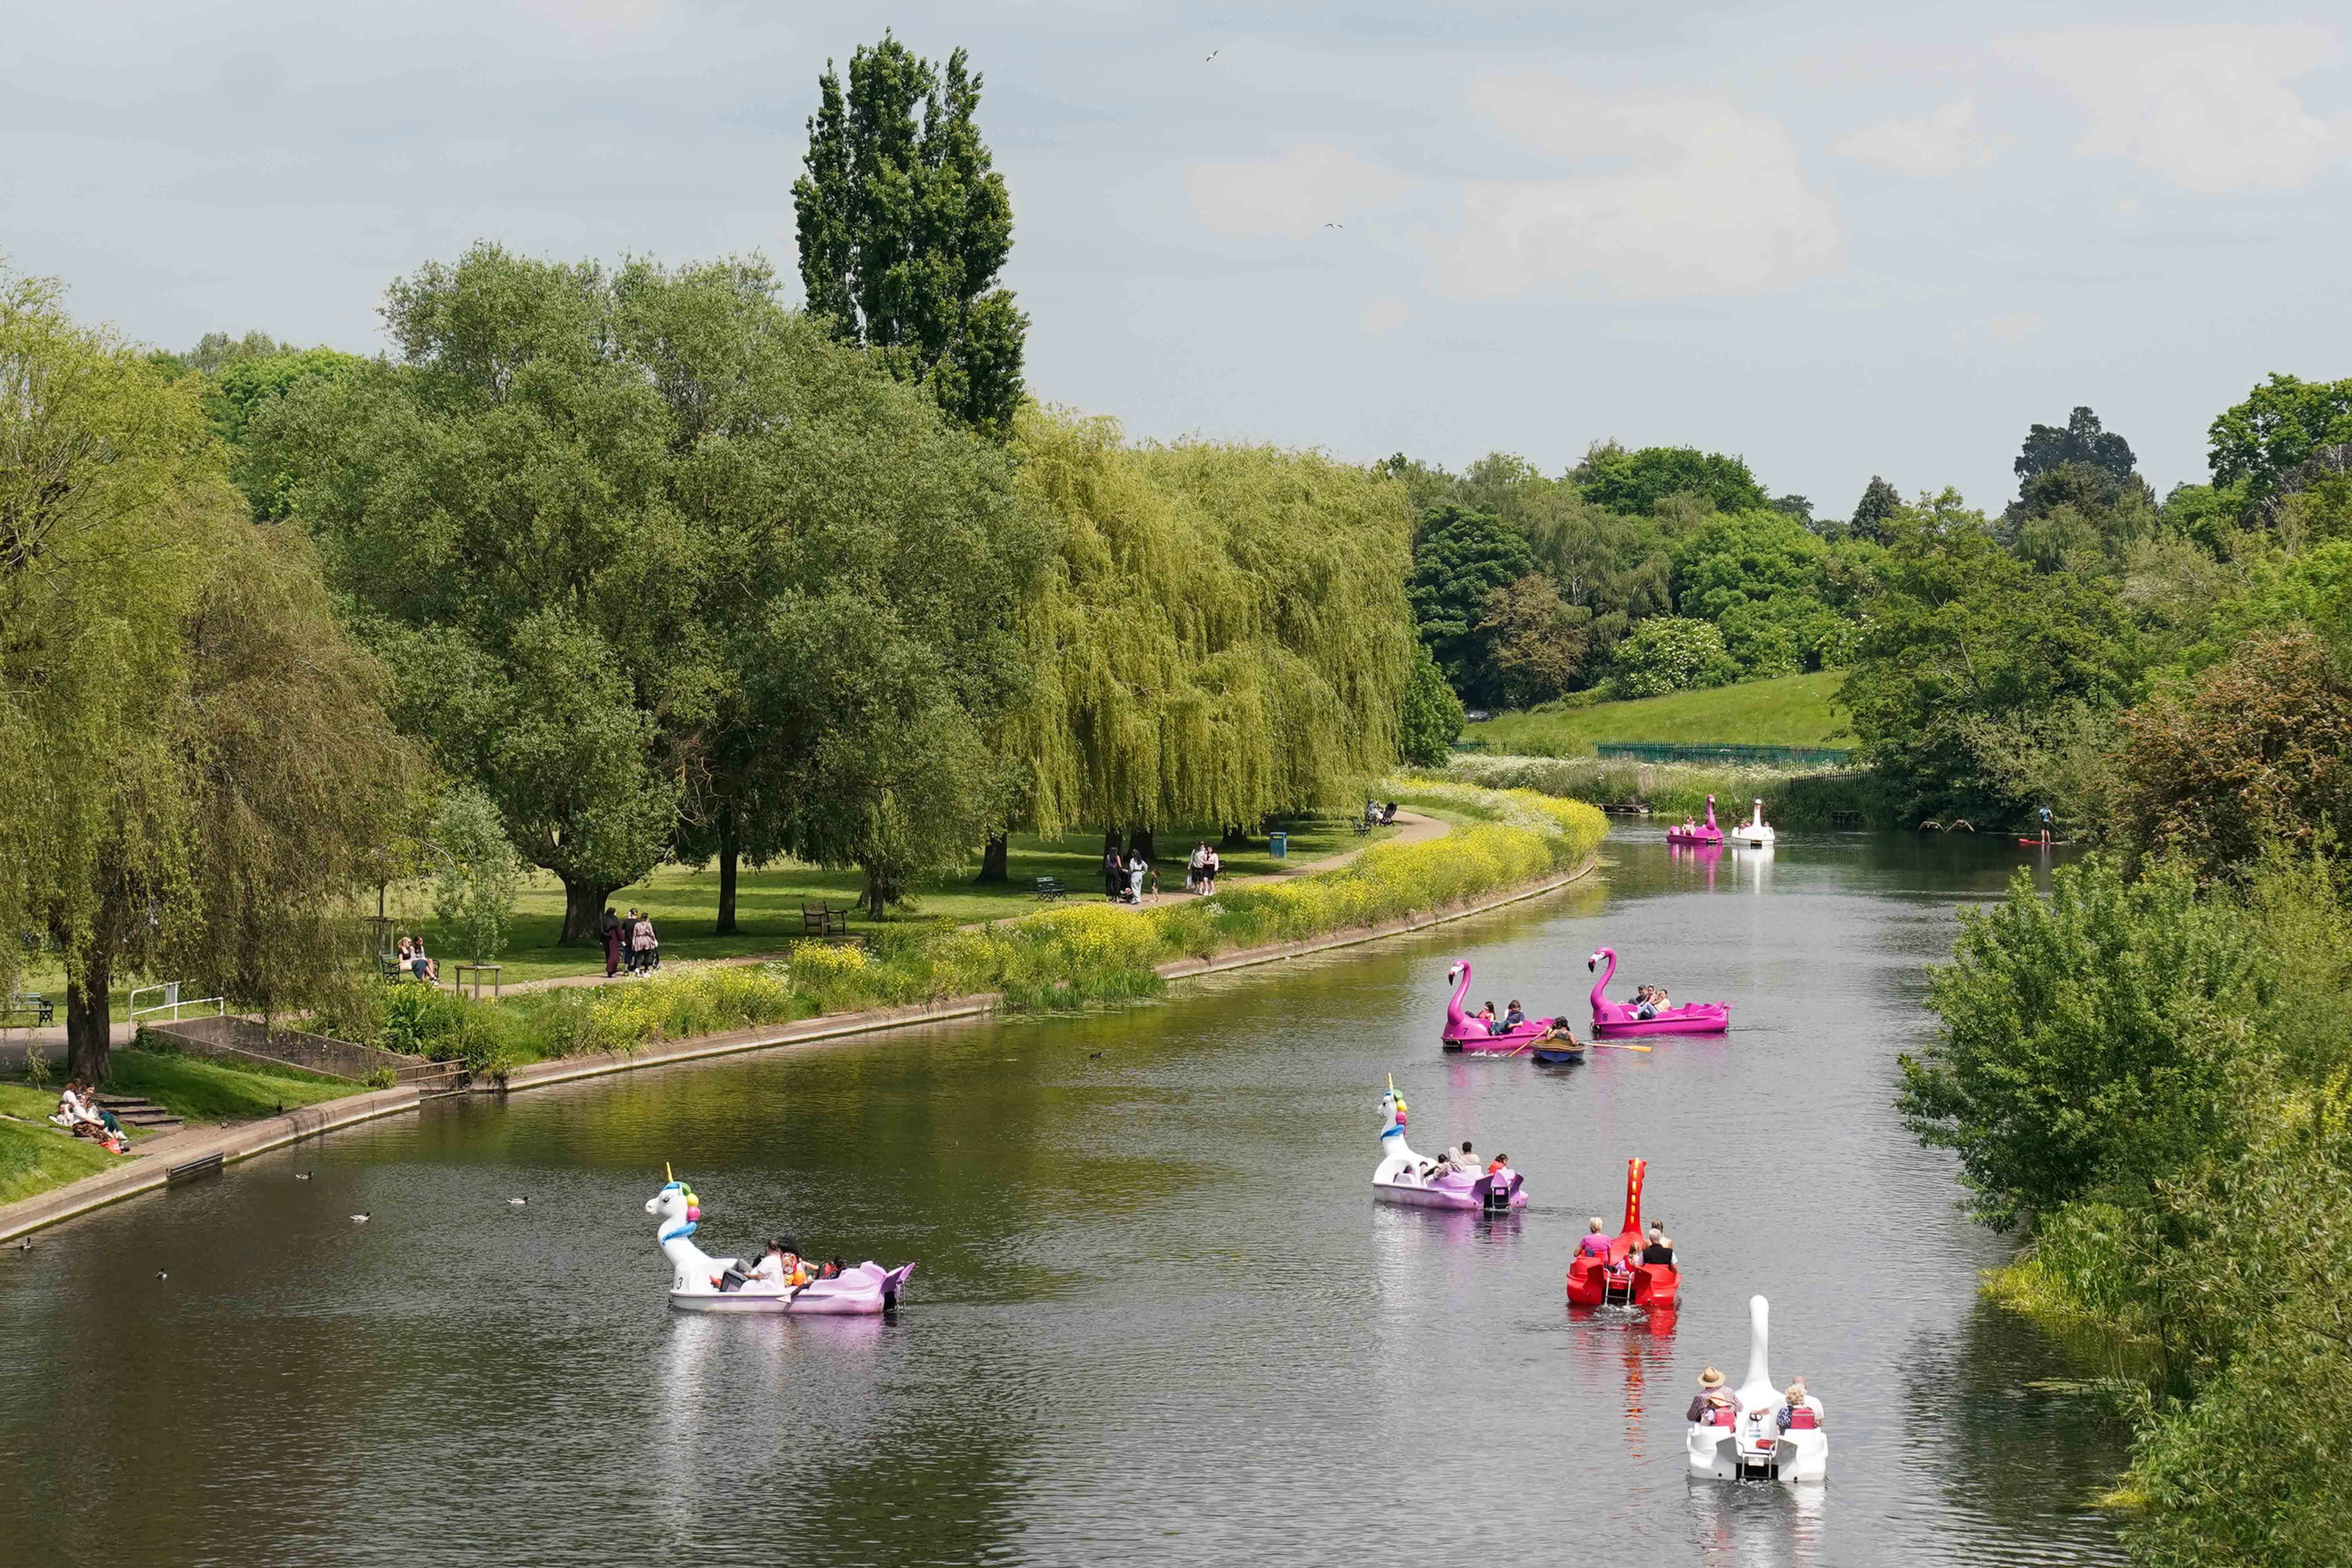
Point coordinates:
[[608, 932], [1661, 1248], [1114, 869]]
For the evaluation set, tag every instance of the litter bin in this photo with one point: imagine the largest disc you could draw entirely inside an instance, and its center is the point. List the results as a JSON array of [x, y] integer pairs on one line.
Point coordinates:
[[1277, 845]]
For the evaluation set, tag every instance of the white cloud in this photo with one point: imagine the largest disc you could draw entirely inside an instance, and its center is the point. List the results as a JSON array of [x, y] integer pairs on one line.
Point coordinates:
[[1309, 188], [1384, 315], [2208, 107], [1714, 202], [2016, 328], [1938, 145]]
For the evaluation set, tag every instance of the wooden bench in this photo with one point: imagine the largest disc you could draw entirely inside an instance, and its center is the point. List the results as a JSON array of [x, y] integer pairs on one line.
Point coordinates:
[[819, 918], [43, 1010], [1049, 888]]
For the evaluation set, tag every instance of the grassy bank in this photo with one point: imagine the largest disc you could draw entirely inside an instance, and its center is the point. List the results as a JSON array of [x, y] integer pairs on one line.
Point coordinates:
[[1070, 955], [1792, 798], [36, 1156], [1792, 710]]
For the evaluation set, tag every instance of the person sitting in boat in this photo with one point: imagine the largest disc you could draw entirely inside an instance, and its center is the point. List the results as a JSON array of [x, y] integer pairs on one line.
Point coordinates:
[[1512, 1019], [1660, 1249], [1792, 1402], [1595, 1242], [1498, 1170], [1487, 1016], [1646, 1004], [1557, 1031], [1712, 1398], [1458, 1157], [779, 1264]]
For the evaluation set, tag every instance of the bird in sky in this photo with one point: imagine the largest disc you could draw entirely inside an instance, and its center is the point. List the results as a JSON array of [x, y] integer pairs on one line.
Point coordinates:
[[1214, 53], [1335, 226]]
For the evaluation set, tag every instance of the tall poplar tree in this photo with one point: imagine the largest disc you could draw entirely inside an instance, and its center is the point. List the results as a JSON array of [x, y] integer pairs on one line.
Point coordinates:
[[904, 227]]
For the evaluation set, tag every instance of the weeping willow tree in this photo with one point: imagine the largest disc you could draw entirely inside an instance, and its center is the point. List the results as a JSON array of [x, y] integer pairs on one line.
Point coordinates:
[[197, 760], [1221, 633]]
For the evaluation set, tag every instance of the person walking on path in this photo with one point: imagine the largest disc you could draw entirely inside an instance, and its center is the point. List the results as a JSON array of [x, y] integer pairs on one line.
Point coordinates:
[[608, 932], [1114, 872], [648, 944], [1135, 870]]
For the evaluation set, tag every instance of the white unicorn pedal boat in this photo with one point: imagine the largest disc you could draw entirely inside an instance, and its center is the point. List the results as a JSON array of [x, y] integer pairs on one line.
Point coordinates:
[[1735, 1443], [1406, 1177], [694, 1274]]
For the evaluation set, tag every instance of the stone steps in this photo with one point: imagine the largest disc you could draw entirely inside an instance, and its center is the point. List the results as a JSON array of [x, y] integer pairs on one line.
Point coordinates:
[[145, 1114]]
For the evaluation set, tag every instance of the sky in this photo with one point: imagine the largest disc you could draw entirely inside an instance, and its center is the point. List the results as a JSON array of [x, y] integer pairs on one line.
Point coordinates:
[[1835, 241]]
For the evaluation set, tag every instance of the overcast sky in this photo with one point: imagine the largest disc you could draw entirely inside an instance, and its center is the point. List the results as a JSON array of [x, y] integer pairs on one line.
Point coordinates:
[[1834, 241]]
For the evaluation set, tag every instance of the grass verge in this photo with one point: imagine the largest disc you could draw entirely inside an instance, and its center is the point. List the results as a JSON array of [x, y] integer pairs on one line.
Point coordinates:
[[1790, 710]]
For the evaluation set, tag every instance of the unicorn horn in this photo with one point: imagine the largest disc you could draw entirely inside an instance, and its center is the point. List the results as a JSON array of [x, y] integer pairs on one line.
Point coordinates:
[[667, 1175]]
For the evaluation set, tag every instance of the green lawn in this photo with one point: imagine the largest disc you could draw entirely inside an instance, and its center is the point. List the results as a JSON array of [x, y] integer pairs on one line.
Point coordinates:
[[684, 901], [1793, 710], [36, 1156]]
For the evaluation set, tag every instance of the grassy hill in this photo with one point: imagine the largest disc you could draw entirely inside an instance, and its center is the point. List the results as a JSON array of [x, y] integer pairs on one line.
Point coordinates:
[[1793, 710]]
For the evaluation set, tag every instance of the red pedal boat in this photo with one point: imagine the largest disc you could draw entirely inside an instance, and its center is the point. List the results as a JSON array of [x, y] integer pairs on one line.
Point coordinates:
[[1622, 1279]]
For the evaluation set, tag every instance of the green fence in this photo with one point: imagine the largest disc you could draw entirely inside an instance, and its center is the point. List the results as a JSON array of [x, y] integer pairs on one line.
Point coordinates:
[[1660, 751]]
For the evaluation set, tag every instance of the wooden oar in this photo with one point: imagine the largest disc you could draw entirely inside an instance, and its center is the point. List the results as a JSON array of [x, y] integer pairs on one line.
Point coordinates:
[[1619, 1046]]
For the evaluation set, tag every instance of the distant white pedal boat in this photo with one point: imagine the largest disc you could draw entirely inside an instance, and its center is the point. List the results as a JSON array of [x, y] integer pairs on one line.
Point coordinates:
[[1755, 832]]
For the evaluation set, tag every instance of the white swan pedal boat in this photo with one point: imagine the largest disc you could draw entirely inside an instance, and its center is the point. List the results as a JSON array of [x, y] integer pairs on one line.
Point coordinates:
[[694, 1274], [1755, 833], [1734, 1446]]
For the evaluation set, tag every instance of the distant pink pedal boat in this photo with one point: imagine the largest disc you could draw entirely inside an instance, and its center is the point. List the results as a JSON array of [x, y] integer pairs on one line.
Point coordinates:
[[1617, 1017], [1690, 834], [1463, 1033]]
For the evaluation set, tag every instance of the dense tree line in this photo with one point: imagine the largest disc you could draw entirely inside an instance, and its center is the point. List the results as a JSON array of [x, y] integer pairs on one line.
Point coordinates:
[[2145, 1073], [1527, 588]]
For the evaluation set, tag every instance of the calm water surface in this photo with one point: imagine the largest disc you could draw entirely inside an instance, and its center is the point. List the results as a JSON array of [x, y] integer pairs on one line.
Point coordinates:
[[1157, 1317]]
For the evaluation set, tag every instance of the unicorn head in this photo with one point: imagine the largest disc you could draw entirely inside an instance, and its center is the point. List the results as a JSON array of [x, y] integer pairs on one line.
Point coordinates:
[[677, 1208], [1392, 1111]]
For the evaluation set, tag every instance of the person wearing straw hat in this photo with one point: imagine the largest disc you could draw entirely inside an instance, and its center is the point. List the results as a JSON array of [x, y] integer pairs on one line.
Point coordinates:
[[1712, 1396]]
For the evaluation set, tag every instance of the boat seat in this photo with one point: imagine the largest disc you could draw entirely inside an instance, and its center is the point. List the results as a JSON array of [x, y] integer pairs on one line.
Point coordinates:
[[1722, 1416], [1804, 1421]]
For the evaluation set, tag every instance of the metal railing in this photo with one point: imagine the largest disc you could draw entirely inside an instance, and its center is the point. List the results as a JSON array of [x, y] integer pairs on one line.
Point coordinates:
[[172, 1003]]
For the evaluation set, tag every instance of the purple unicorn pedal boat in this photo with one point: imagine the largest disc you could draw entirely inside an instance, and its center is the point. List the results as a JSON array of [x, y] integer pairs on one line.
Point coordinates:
[[1402, 1177], [862, 1291]]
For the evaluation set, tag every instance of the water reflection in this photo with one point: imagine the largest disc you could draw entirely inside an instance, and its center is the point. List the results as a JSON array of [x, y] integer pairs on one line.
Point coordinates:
[[1157, 1317]]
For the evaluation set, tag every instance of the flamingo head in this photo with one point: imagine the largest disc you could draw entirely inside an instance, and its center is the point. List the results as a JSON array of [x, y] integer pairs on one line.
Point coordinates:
[[1593, 963], [1454, 972]]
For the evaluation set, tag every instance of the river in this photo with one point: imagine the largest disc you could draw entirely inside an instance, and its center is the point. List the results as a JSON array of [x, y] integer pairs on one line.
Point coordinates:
[[1157, 1317]]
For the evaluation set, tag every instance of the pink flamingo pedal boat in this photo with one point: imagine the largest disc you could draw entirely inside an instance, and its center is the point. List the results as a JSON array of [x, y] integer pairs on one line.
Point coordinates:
[[1465, 1033], [1618, 1018], [1689, 833]]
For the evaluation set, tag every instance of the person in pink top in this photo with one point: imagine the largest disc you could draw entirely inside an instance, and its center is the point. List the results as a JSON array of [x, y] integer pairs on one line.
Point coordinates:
[[1595, 1243]]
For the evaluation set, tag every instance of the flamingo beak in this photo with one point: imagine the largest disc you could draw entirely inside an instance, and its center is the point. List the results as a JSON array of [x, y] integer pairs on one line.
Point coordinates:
[[1592, 963]]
